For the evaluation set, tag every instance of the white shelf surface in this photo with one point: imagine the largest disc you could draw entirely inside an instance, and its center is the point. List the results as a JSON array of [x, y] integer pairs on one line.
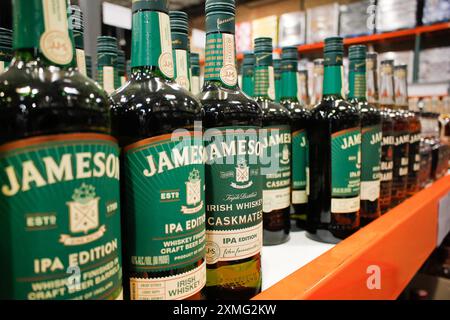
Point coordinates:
[[280, 261]]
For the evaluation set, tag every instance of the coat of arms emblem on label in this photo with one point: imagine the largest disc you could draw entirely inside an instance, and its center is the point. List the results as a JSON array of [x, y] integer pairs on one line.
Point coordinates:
[[83, 216], [193, 193], [242, 176]]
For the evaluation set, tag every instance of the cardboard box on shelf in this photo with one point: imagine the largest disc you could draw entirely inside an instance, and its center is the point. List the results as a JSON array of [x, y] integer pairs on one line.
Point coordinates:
[[322, 22], [266, 27], [292, 29]]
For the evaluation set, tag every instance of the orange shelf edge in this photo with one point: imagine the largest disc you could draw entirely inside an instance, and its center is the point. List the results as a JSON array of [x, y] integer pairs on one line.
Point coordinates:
[[398, 243], [370, 38]]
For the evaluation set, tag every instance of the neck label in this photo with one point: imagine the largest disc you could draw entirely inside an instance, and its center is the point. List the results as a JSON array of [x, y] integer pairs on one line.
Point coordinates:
[[81, 61], [181, 69], [152, 42], [55, 42], [221, 59]]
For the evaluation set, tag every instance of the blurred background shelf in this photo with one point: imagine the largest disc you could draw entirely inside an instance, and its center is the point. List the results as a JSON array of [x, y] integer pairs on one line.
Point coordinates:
[[395, 245]]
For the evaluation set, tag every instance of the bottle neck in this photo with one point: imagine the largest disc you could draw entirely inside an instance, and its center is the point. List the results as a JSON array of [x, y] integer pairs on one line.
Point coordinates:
[[401, 89], [220, 64], [289, 78], [41, 30], [248, 82], [386, 87], [181, 59], [317, 86], [151, 47], [332, 80], [264, 77], [371, 83], [357, 80]]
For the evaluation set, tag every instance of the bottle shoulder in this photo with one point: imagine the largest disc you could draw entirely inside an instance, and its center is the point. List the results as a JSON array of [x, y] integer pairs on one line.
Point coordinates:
[[225, 107], [32, 85], [273, 113], [37, 100], [153, 95], [297, 110], [335, 108], [370, 115]]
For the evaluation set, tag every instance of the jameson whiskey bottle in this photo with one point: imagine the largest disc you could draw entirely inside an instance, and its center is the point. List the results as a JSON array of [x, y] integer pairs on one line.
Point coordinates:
[[77, 22], [401, 99], [5, 49], [233, 175], [299, 120], [276, 140], [303, 91], [334, 135], [248, 70], [195, 73], [387, 145], [59, 168], [401, 141], [371, 136], [317, 87], [180, 28], [107, 73], [162, 168], [277, 76]]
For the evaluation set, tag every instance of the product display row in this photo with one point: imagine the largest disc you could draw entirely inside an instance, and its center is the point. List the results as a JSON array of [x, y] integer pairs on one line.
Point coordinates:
[[148, 185]]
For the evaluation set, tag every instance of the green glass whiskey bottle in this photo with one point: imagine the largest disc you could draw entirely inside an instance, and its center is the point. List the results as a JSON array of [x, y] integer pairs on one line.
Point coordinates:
[[334, 134], [299, 120], [59, 168], [276, 140], [233, 176], [162, 168], [371, 136]]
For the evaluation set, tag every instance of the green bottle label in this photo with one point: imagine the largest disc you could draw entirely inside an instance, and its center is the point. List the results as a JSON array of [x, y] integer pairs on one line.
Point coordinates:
[[248, 80], [220, 22], [371, 162], [300, 166], [345, 170], [234, 194], [357, 84], [289, 87], [276, 168], [60, 221], [165, 184], [277, 79], [264, 82], [152, 42], [220, 64], [332, 80]]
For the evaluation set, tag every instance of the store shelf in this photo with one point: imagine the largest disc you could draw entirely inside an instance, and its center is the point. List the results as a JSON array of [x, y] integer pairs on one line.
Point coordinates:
[[398, 244], [373, 38]]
